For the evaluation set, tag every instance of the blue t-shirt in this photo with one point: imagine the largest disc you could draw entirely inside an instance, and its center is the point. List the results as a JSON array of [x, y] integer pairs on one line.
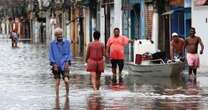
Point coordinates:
[[60, 53]]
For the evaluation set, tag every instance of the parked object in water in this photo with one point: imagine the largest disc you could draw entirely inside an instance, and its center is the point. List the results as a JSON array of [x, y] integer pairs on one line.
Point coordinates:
[[152, 68]]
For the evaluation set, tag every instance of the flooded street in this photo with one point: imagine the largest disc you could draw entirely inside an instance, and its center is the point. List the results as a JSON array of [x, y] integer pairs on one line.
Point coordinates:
[[26, 83]]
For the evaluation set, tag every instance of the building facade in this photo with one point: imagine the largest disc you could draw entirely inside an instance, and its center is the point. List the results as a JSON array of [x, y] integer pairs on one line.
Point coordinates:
[[200, 22]]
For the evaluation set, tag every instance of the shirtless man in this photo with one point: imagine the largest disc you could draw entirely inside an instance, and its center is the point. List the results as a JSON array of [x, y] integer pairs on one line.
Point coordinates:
[[177, 47], [191, 44]]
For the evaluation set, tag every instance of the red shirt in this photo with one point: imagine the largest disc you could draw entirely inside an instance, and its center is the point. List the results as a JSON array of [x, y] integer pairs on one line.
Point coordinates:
[[96, 51], [116, 45]]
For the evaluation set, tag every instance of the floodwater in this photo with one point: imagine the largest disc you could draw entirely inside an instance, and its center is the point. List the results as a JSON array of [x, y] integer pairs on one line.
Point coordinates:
[[26, 83]]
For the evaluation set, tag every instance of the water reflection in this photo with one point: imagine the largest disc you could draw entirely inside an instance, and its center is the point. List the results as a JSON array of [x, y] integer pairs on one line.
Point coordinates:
[[94, 102], [192, 87], [166, 93], [66, 104], [152, 84], [187, 98], [186, 104]]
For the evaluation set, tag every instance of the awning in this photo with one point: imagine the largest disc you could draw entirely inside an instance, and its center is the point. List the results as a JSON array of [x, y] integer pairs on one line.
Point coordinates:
[[176, 10], [168, 12]]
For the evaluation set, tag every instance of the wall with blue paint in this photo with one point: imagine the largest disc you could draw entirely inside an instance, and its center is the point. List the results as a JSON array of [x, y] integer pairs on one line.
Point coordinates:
[[177, 21], [135, 21], [137, 16], [187, 21], [142, 20], [187, 17], [181, 19]]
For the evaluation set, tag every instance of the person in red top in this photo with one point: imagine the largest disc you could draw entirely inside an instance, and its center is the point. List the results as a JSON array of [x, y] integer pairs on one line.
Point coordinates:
[[115, 50], [94, 59]]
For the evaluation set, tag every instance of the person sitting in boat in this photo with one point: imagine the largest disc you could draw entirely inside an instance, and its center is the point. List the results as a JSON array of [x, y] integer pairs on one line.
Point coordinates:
[[177, 48]]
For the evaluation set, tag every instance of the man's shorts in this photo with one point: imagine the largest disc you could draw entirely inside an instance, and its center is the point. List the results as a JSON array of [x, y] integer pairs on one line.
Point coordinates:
[[58, 74], [193, 60], [120, 64]]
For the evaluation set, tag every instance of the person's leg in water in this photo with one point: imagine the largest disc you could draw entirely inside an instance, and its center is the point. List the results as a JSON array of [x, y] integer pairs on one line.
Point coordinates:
[[93, 80], [66, 104], [114, 67], [98, 74], [121, 65], [114, 79], [57, 78], [196, 65], [195, 72], [13, 44], [66, 81], [57, 103], [57, 87], [190, 71]]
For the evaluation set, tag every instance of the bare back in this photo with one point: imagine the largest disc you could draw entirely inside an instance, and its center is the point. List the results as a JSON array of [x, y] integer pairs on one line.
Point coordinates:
[[96, 50], [178, 46]]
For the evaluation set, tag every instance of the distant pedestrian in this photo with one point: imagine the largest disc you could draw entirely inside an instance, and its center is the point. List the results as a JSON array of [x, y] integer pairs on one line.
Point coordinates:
[[60, 57], [177, 48], [14, 38], [191, 44], [94, 59], [115, 50]]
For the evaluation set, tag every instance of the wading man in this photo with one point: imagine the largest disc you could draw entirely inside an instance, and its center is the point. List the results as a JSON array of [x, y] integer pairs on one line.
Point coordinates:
[[60, 57], [191, 44], [115, 50]]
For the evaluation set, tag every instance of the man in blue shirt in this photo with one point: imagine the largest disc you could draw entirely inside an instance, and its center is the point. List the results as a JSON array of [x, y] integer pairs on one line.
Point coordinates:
[[60, 57]]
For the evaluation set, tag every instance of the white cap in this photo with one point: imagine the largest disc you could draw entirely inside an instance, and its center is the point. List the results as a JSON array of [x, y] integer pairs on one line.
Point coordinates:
[[174, 34]]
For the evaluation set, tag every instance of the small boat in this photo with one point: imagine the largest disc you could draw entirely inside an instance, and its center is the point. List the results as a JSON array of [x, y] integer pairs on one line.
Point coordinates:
[[156, 68]]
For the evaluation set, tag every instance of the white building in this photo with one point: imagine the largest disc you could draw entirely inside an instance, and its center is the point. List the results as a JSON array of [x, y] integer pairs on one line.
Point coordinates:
[[115, 17], [200, 22]]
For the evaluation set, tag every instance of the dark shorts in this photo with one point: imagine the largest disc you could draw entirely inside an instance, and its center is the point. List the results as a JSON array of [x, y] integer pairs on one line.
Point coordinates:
[[58, 74], [120, 64]]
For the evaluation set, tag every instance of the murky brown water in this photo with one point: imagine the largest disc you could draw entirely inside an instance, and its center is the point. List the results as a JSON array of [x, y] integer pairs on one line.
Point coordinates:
[[27, 84]]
